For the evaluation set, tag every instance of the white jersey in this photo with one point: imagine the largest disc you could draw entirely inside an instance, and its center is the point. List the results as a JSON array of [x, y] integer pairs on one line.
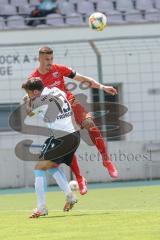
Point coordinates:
[[55, 110]]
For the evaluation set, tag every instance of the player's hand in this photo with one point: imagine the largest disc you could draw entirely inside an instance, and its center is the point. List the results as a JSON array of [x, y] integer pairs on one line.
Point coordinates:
[[26, 98], [110, 90], [28, 103]]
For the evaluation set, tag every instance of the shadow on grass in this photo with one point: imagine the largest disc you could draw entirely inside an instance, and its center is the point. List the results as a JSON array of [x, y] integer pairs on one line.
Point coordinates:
[[76, 215]]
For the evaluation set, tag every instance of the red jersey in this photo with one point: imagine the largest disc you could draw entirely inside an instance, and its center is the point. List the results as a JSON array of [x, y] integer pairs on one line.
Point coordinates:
[[55, 78]]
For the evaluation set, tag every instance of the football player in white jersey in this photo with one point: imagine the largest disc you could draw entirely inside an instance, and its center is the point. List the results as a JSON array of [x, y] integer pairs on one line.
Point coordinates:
[[52, 106]]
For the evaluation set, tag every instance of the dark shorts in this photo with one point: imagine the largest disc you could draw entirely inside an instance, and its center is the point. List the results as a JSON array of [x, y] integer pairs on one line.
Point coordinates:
[[60, 150]]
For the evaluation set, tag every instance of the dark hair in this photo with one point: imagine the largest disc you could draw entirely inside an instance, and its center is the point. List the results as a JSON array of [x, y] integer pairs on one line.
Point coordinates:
[[45, 50], [33, 84]]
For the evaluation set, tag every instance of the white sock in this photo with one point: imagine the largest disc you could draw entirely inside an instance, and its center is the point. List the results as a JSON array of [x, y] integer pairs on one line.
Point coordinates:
[[40, 189], [61, 180]]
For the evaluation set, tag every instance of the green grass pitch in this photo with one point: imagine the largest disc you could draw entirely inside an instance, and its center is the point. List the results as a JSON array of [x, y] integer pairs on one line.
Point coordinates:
[[131, 213]]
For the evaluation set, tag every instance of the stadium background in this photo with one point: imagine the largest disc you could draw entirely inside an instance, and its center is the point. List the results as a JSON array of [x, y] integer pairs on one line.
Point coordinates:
[[126, 56]]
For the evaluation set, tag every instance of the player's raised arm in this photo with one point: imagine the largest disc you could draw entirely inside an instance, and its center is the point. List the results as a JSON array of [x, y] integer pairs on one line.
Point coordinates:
[[28, 104], [94, 84]]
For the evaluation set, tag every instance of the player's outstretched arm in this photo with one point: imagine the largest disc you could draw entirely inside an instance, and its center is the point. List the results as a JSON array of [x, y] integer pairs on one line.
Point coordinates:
[[94, 84]]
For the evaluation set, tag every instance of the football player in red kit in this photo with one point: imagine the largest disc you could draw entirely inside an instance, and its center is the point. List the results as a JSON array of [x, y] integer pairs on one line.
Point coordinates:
[[53, 75]]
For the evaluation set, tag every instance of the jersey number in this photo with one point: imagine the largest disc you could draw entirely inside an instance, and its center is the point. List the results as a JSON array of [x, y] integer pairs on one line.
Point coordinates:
[[66, 106]]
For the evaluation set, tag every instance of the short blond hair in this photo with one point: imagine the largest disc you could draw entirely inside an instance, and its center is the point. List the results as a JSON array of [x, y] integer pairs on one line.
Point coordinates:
[[45, 50]]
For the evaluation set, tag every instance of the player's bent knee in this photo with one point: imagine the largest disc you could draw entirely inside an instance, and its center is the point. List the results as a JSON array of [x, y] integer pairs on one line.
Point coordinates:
[[44, 165], [88, 123]]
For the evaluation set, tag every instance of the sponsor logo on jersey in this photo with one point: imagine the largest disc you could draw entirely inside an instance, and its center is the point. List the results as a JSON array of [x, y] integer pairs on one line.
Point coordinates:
[[56, 83], [64, 115]]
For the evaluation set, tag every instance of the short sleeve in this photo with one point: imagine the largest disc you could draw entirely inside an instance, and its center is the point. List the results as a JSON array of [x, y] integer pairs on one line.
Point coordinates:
[[67, 71]]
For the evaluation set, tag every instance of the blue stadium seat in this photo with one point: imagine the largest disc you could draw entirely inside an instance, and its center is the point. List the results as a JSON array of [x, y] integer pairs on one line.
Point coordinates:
[[85, 7], [66, 8], [2, 23], [105, 6], [16, 22], [75, 19], [8, 10], [55, 19], [125, 5], [18, 2], [144, 5]]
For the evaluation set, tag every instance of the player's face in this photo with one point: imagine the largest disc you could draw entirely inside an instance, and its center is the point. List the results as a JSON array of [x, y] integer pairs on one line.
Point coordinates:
[[33, 94], [46, 60]]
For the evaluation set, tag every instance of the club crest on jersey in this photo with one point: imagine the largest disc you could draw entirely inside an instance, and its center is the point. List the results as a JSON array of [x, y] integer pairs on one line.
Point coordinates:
[[56, 74]]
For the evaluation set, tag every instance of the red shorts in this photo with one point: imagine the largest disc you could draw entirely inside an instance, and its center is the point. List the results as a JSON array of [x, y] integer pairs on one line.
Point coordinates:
[[80, 113]]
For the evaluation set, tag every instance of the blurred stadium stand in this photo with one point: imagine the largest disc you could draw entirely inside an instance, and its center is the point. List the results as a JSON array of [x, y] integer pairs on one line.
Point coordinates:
[[54, 19], [118, 12], [75, 19]]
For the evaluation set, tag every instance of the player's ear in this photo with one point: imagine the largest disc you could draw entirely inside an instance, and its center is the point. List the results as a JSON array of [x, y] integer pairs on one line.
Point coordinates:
[[36, 92]]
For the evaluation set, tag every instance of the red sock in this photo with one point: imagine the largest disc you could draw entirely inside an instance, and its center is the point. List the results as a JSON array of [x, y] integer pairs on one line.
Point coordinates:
[[75, 168], [98, 140]]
